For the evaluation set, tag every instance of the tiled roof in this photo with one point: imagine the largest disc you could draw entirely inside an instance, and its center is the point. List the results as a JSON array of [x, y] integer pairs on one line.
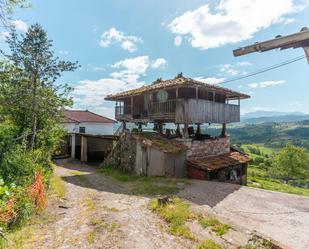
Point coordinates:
[[79, 116], [212, 163], [178, 81]]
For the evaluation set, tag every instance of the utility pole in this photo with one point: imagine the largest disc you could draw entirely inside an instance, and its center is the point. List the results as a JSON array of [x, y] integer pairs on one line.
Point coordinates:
[[296, 40]]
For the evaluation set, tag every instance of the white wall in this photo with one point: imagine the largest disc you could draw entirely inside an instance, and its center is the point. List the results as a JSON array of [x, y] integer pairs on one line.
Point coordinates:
[[91, 128]]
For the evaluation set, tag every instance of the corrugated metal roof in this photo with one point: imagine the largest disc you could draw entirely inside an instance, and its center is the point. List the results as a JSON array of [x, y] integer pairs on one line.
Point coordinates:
[[178, 81], [79, 116]]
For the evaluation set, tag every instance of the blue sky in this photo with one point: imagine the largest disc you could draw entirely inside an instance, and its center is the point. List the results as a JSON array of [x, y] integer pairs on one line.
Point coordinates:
[[122, 44]]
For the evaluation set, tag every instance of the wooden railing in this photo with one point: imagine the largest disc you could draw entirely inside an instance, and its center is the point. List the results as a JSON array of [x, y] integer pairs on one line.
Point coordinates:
[[167, 107], [182, 111], [122, 111]]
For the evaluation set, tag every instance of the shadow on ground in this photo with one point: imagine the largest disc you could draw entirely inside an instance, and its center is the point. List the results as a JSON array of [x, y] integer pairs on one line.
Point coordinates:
[[208, 193], [197, 191]]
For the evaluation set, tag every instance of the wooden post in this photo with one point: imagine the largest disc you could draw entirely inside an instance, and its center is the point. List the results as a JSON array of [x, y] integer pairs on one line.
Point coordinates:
[[213, 96], [178, 133], [223, 132], [124, 125], [83, 156], [198, 130], [185, 131], [177, 93], [196, 92], [140, 128], [73, 145], [132, 106], [238, 101]]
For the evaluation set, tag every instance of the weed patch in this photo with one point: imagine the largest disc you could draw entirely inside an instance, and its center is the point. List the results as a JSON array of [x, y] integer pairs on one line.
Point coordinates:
[[57, 186], [214, 224], [209, 244], [176, 213]]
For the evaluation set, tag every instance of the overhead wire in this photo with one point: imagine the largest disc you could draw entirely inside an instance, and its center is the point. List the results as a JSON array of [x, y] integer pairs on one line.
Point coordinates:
[[263, 70]]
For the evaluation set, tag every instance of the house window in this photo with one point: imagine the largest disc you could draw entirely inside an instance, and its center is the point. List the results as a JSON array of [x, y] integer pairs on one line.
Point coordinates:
[[82, 129]]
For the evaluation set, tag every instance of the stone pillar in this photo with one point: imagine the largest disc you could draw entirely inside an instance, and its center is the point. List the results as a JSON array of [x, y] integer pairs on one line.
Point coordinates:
[[223, 132], [83, 151], [73, 145]]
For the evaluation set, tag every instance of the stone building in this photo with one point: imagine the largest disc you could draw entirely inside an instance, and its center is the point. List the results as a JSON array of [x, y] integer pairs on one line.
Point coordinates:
[[188, 104]]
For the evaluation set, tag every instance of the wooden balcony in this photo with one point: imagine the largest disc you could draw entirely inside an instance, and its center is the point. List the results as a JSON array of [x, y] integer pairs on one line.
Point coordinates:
[[191, 111]]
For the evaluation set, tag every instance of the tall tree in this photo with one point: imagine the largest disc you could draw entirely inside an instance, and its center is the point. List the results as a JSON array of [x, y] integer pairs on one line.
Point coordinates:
[[7, 9], [290, 163], [33, 96]]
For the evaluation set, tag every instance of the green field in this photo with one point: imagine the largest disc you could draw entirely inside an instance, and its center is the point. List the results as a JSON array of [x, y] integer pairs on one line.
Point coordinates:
[[259, 171]]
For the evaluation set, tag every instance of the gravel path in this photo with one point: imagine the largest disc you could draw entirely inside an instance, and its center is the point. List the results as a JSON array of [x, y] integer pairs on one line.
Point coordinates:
[[282, 217], [98, 212]]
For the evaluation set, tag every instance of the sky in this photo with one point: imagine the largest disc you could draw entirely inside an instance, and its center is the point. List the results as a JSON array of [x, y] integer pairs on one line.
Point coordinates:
[[124, 44]]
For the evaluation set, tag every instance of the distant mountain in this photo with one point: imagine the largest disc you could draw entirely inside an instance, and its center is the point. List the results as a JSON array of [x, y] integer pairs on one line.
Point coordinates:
[[273, 116]]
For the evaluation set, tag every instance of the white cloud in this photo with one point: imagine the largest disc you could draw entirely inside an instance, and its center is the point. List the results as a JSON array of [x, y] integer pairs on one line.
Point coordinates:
[[131, 69], [210, 80], [228, 68], [127, 42], [178, 40], [244, 63], [98, 68], [231, 21], [159, 63], [20, 25], [91, 93], [265, 84], [63, 52], [4, 35]]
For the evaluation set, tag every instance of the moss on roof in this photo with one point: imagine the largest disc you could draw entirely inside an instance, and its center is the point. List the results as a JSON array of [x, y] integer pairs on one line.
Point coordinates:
[[163, 144]]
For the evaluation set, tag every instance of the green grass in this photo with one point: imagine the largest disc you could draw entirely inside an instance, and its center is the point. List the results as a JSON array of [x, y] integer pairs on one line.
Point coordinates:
[[57, 186], [216, 226], [141, 185], [275, 185], [176, 213], [209, 244]]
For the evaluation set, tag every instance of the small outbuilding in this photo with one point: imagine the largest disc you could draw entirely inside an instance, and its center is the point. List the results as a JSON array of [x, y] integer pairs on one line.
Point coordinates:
[[90, 135]]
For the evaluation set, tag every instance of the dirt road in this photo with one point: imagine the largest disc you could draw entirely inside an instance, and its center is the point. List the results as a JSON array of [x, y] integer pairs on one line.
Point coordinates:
[[283, 217], [98, 212]]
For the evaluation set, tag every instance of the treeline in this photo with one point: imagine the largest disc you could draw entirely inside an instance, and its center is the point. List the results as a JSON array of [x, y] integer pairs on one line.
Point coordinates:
[[274, 135], [290, 165], [32, 102]]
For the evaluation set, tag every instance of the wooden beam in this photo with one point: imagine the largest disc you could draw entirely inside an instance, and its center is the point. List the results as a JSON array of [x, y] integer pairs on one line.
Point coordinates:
[[283, 42], [132, 106], [307, 52]]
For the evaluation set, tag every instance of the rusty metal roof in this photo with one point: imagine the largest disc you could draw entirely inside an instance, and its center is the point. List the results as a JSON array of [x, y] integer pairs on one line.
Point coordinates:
[[213, 163], [177, 82]]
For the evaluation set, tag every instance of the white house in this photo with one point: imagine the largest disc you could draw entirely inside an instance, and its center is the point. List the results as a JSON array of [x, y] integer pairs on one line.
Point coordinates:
[[89, 134], [86, 122]]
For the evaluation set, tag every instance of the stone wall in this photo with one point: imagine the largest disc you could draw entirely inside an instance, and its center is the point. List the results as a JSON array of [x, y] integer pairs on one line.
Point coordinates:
[[123, 154], [208, 147]]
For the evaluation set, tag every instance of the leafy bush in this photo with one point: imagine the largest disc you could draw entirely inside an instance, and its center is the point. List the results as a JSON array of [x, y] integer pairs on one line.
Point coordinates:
[[290, 163]]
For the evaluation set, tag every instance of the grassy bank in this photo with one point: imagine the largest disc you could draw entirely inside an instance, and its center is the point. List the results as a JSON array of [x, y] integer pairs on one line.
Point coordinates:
[[140, 185]]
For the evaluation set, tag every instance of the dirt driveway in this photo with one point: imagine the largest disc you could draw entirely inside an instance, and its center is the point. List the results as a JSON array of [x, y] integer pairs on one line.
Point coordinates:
[[282, 217], [97, 212]]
